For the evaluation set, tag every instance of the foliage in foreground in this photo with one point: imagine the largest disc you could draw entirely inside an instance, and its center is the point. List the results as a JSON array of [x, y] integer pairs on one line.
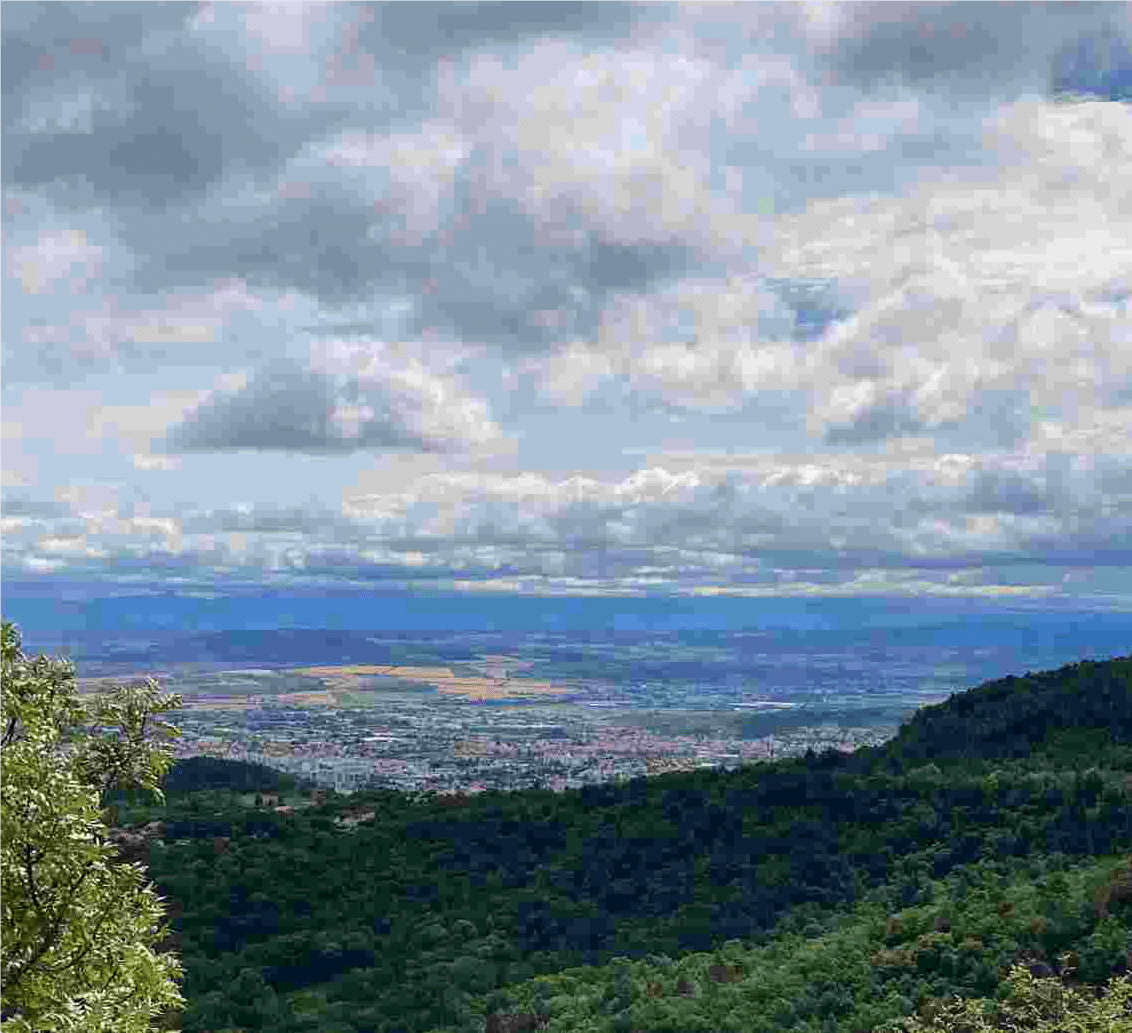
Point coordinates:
[[77, 931], [1034, 1005]]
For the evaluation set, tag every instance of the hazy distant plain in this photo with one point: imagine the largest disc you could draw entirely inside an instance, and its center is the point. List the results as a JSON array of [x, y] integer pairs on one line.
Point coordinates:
[[655, 652]]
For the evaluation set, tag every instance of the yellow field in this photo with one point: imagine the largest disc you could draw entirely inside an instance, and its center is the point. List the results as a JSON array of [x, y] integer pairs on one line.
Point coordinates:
[[307, 697], [350, 675], [442, 677], [351, 679], [500, 688]]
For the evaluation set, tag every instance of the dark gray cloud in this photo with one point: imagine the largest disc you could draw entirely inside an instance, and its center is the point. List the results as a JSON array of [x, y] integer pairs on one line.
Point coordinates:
[[497, 295], [160, 116], [423, 31], [332, 245], [1004, 491], [920, 41], [890, 419], [976, 47], [288, 409], [44, 40], [320, 245], [16, 502]]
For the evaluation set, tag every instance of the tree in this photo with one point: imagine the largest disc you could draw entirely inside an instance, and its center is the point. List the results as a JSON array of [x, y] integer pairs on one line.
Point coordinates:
[[1040, 1005], [78, 931]]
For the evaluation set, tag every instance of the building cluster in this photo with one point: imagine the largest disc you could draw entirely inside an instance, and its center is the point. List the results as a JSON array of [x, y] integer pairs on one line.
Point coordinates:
[[470, 749]]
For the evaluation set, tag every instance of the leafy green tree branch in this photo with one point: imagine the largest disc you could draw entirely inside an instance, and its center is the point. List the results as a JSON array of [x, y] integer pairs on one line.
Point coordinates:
[[78, 930]]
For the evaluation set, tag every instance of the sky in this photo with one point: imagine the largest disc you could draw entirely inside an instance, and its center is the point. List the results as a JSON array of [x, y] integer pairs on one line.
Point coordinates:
[[569, 299]]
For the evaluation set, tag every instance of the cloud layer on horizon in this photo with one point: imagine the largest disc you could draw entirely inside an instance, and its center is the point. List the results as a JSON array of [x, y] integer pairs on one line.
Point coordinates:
[[771, 298]]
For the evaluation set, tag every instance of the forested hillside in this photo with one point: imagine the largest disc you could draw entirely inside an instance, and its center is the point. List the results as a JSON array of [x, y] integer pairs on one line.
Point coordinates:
[[823, 893], [193, 774], [1057, 716]]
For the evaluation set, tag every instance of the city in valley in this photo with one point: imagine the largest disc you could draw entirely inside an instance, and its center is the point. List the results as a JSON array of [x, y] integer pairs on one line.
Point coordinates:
[[487, 724]]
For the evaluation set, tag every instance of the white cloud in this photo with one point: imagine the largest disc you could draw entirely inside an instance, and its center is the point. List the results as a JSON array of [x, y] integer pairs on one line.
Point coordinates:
[[283, 28], [57, 254]]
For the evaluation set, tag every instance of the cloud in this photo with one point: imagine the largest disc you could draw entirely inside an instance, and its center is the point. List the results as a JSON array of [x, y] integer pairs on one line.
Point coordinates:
[[969, 289], [468, 26], [753, 297], [54, 257], [139, 143], [766, 522], [120, 335], [281, 28], [1002, 491], [353, 398], [968, 46], [316, 242]]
